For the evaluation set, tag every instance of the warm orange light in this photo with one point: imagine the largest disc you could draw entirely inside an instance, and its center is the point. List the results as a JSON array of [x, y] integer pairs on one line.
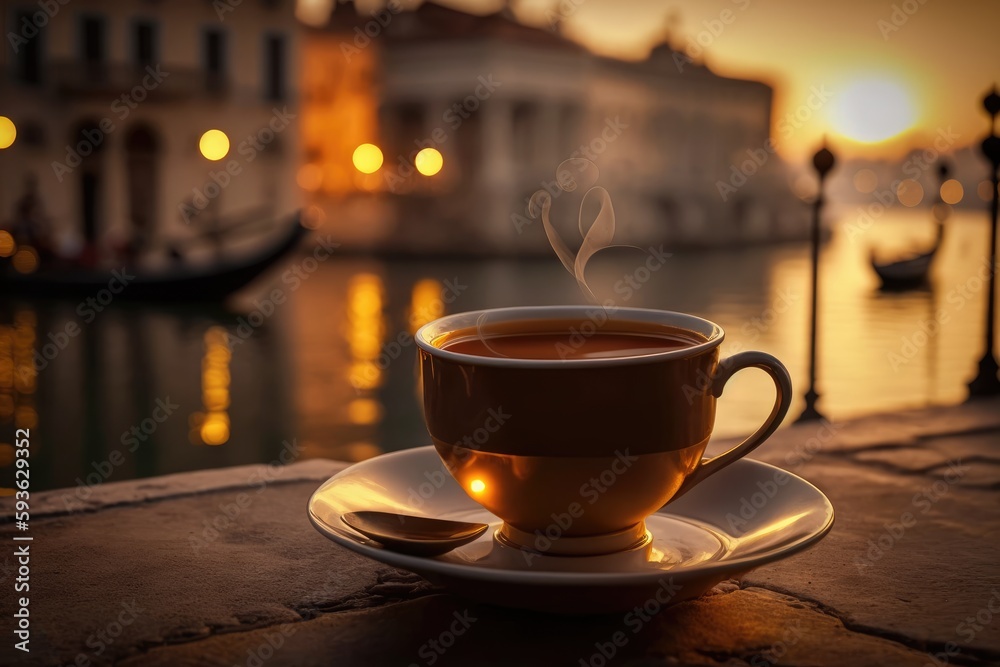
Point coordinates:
[[7, 244], [215, 429], [477, 486], [365, 329], [8, 132], [909, 192], [367, 158], [952, 191], [310, 177], [429, 161], [214, 144], [425, 303], [212, 427], [364, 411], [873, 109], [25, 417], [25, 260], [865, 180]]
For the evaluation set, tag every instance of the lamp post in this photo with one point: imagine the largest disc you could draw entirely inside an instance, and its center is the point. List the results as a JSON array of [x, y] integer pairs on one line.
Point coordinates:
[[823, 162], [986, 382]]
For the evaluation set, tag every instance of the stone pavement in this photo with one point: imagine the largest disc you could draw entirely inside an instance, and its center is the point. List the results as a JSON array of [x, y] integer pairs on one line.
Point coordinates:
[[910, 574]]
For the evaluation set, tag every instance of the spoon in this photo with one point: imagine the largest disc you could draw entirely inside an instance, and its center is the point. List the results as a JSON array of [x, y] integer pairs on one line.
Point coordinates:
[[415, 535]]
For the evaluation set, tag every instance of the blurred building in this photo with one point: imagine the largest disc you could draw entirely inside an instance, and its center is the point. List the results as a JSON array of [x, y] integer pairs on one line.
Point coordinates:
[[684, 152], [110, 99]]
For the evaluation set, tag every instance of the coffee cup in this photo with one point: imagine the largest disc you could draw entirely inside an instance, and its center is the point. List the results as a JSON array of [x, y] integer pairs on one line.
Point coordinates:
[[573, 424]]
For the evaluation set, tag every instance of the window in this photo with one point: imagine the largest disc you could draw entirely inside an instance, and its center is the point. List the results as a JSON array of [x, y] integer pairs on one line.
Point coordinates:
[[144, 43], [214, 51], [525, 123], [92, 40], [274, 67], [28, 59]]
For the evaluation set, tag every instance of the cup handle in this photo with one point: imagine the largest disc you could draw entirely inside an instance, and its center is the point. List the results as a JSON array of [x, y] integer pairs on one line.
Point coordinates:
[[783, 398]]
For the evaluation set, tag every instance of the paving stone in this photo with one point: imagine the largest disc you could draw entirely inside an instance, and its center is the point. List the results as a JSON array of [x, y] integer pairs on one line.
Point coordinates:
[[752, 626], [206, 568], [914, 459]]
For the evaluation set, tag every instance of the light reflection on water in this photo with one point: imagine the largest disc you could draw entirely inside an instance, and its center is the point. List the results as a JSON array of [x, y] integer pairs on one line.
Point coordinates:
[[334, 367]]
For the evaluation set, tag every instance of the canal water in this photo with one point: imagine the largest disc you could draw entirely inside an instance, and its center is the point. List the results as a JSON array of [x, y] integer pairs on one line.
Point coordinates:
[[319, 362]]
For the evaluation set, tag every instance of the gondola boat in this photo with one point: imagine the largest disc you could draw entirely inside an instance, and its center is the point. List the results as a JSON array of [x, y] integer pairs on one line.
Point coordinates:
[[212, 281]]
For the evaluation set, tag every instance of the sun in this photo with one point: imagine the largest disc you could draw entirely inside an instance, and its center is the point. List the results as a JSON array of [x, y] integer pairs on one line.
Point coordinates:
[[873, 109]]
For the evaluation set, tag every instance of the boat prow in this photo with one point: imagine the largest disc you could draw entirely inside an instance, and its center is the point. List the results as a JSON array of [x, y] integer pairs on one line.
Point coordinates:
[[212, 282]]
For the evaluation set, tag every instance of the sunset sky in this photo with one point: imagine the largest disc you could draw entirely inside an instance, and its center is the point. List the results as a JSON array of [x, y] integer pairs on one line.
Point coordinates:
[[895, 78]]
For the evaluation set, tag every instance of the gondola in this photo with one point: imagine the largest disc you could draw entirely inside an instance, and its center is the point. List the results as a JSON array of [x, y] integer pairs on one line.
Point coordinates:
[[913, 272], [905, 274], [213, 281]]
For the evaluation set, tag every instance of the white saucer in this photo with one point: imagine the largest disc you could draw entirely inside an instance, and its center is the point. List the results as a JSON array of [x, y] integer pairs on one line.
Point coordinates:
[[740, 518]]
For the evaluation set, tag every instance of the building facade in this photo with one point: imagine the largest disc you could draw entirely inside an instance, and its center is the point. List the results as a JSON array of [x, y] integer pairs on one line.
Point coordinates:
[[684, 153], [110, 100]]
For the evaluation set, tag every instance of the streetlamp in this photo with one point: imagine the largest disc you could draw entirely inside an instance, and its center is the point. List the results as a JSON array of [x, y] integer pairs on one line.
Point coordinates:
[[823, 162], [986, 382]]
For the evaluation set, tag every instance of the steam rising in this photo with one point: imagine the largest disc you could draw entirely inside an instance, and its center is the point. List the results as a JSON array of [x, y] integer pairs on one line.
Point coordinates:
[[572, 175]]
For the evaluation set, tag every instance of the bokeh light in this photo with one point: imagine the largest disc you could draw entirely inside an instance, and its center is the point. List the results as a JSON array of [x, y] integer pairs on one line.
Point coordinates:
[[313, 217], [865, 180], [214, 144], [25, 260], [215, 429], [25, 417], [212, 427], [310, 177], [477, 486], [909, 192], [425, 303], [952, 191], [429, 161], [364, 411], [367, 158], [8, 132], [7, 244]]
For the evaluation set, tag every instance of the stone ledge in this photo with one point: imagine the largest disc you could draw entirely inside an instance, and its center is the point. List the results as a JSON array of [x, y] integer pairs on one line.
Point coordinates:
[[209, 595], [112, 494]]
